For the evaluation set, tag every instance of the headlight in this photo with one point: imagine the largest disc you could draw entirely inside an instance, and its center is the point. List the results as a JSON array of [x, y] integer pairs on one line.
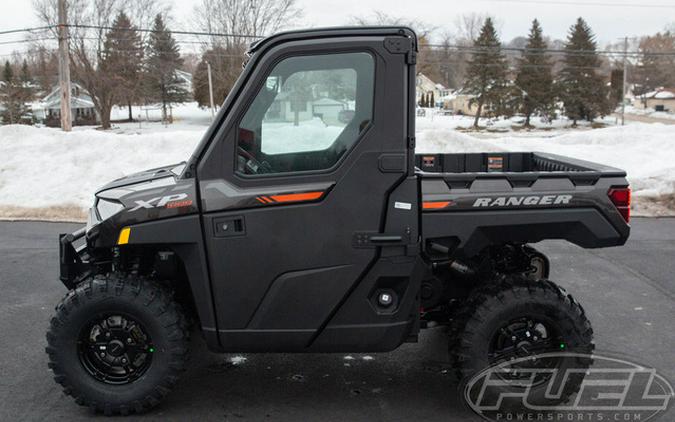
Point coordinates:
[[107, 209]]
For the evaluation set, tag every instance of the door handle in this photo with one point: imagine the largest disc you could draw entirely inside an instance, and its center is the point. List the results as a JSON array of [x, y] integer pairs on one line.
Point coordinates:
[[375, 239], [386, 239]]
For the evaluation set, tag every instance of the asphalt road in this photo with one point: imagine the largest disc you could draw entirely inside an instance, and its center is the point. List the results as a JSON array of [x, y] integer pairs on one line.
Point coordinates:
[[646, 119], [628, 293]]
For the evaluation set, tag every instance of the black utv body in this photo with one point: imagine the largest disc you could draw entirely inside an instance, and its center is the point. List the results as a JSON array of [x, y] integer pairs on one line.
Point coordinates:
[[304, 222]]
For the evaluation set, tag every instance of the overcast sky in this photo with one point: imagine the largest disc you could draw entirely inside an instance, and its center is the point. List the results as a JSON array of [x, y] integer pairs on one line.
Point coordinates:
[[610, 19]]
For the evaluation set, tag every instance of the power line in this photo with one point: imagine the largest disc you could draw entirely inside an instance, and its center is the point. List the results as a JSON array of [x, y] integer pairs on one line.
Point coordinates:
[[527, 66], [587, 3], [199, 33], [466, 48], [485, 49], [38, 28], [26, 41]]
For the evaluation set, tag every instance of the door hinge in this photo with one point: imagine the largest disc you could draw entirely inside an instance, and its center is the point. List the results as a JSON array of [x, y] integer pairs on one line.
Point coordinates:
[[402, 45], [411, 57], [411, 142]]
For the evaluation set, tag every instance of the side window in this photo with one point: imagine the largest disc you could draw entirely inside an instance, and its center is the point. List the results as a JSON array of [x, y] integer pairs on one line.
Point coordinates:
[[308, 114]]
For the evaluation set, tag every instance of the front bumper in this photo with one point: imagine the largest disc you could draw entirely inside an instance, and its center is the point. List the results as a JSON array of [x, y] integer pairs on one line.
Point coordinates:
[[72, 262]]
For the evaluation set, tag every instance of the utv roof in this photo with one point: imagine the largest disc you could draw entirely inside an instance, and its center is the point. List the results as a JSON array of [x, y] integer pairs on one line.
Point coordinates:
[[339, 31]]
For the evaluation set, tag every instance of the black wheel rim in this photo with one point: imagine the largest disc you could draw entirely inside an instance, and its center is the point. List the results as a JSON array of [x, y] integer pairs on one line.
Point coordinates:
[[521, 338], [115, 349]]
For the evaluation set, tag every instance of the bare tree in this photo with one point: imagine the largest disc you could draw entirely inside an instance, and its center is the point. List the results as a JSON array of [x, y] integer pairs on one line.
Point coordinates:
[[380, 18], [427, 60], [654, 67], [468, 26], [143, 12], [90, 22], [451, 61], [243, 20]]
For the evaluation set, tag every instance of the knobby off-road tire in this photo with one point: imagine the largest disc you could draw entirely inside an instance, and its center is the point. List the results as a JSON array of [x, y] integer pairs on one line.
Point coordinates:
[[140, 304], [509, 298]]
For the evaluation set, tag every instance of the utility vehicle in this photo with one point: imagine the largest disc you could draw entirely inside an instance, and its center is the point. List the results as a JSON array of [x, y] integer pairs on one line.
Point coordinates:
[[304, 222]]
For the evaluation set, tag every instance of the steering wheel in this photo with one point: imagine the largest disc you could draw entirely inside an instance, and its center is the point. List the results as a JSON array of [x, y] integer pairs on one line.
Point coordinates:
[[252, 165]]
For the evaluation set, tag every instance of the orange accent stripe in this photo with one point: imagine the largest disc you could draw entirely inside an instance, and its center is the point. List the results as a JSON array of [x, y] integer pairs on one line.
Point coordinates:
[[260, 199], [267, 199], [434, 205], [297, 197]]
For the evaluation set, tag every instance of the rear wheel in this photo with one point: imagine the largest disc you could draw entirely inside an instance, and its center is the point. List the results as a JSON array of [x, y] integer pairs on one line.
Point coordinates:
[[117, 344], [512, 321]]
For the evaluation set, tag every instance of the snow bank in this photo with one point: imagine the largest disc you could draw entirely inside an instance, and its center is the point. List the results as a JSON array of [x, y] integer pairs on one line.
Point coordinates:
[[645, 151], [42, 167], [45, 171], [279, 138]]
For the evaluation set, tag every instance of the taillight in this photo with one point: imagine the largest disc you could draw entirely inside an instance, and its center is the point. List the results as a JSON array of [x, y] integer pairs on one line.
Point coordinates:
[[620, 197]]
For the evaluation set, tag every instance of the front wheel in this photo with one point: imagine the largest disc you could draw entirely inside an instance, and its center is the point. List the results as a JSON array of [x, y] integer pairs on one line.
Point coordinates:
[[117, 344], [529, 330]]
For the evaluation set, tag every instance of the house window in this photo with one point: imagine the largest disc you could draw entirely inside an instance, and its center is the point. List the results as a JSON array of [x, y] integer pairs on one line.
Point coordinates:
[[308, 114]]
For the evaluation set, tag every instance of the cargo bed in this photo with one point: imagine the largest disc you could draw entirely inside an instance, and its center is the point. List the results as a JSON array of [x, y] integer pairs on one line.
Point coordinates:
[[482, 163], [479, 199]]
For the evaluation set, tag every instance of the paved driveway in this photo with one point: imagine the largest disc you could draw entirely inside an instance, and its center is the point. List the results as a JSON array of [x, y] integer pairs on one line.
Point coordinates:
[[628, 293]]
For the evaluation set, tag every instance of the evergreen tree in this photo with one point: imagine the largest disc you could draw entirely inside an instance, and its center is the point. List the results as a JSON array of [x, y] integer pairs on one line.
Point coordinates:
[[486, 72], [583, 92], [225, 68], [13, 97], [27, 87], [200, 83], [25, 73], [163, 60], [535, 79], [616, 86], [432, 100], [124, 59], [8, 114]]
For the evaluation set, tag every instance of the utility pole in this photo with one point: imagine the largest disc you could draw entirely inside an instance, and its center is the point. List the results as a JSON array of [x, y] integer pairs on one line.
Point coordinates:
[[208, 70], [64, 68], [623, 87]]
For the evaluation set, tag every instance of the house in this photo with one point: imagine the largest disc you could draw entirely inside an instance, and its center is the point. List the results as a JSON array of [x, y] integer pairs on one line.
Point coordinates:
[[184, 80], [424, 86], [48, 110], [661, 99], [461, 102], [328, 110], [284, 109]]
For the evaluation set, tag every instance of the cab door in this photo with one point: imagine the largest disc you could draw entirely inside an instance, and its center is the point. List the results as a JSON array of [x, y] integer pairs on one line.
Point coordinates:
[[298, 185]]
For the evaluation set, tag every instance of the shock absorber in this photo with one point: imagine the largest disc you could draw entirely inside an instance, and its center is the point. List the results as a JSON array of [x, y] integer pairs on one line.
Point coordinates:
[[455, 266]]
